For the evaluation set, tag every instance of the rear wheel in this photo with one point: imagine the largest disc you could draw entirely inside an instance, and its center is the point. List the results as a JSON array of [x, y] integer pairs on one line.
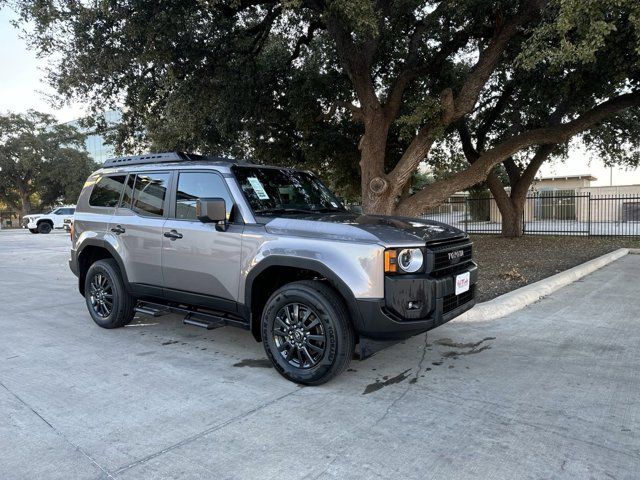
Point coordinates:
[[33, 230], [108, 301], [45, 227], [306, 332]]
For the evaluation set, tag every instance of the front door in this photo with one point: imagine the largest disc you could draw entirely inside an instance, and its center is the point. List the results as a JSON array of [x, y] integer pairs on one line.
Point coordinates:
[[63, 216], [199, 263], [137, 225]]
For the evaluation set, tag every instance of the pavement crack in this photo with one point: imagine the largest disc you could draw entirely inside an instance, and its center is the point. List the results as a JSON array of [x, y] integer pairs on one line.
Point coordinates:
[[203, 433], [58, 432]]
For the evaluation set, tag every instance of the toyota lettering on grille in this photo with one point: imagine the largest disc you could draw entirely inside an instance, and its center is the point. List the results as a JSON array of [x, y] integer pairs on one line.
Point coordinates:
[[455, 256]]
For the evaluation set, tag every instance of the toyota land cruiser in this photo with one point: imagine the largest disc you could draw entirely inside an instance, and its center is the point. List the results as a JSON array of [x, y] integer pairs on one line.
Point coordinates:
[[267, 249]]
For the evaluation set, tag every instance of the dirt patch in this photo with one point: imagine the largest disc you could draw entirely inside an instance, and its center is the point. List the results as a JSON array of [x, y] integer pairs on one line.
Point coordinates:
[[506, 264]]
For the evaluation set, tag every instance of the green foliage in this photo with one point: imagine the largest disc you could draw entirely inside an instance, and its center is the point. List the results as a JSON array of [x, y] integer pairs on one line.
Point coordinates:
[[577, 30], [41, 160], [265, 78]]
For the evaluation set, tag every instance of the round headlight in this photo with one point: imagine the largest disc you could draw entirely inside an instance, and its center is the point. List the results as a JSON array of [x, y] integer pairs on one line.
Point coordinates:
[[410, 259]]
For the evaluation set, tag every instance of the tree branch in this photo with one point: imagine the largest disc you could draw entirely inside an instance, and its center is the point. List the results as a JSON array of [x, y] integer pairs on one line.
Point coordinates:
[[521, 188], [490, 57], [355, 62], [494, 114], [305, 39], [480, 169], [470, 152], [413, 69]]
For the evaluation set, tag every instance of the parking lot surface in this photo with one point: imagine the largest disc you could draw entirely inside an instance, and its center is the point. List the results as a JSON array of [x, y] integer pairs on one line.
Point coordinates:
[[552, 391]]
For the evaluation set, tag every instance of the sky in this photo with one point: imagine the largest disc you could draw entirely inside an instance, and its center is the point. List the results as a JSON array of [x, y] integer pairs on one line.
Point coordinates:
[[22, 84], [23, 87]]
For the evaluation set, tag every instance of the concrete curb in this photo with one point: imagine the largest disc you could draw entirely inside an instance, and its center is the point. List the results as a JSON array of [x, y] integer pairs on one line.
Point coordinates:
[[520, 298]]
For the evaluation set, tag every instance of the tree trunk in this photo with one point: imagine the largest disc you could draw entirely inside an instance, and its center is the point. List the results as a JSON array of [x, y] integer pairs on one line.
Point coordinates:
[[512, 221], [376, 191], [26, 204]]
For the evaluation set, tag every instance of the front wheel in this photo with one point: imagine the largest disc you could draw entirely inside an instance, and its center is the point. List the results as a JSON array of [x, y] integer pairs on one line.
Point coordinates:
[[108, 301], [306, 332]]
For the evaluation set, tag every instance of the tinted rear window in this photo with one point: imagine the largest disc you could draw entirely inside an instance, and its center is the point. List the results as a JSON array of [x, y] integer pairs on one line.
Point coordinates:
[[106, 193]]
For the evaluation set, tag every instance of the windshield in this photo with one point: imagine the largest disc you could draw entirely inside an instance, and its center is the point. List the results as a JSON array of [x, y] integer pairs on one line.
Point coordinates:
[[272, 190]]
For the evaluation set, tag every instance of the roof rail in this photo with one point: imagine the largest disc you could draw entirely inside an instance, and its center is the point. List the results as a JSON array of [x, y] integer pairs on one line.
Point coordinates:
[[151, 158]]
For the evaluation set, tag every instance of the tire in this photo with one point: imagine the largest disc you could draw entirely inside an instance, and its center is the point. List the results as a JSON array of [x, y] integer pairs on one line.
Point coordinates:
[[326, 317], [102, 283], [33, 230], [44, 227]]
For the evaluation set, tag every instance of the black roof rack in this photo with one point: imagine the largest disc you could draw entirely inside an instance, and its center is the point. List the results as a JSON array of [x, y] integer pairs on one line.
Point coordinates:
[[152, 158]]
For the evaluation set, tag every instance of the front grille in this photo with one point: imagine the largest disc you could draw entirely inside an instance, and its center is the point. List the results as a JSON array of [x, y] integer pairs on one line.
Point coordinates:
[[453, 301], [445, 263]]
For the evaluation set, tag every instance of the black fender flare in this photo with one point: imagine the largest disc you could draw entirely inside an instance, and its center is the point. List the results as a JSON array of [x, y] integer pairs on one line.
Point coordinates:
[[305, 264], [96, 242]]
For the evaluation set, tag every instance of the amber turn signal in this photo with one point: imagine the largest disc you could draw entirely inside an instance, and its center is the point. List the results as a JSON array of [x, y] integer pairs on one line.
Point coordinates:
[[390, 261]]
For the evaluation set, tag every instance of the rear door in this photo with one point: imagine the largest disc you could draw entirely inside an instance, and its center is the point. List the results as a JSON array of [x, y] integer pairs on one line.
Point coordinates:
[[137, 225], [202, 266]]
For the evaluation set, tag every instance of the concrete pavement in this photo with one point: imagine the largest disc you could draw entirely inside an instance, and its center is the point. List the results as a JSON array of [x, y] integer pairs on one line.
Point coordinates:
[[552, 391]]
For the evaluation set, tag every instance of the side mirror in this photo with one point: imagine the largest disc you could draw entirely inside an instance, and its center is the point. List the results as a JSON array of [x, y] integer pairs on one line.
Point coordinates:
[[212, 210]]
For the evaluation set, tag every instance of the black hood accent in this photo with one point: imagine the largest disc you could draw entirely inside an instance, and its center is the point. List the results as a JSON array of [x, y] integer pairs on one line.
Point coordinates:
[[387, 229]]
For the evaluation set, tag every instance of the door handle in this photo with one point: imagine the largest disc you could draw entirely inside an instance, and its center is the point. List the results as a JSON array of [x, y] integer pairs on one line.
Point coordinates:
[[118, 229], [173, 235]]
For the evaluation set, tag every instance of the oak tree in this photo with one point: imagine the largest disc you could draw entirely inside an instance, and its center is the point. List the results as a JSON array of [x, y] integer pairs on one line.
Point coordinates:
[[357, 89]]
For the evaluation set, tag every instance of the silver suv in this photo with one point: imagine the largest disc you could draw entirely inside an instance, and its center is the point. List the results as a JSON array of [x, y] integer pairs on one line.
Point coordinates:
[[267, 249]]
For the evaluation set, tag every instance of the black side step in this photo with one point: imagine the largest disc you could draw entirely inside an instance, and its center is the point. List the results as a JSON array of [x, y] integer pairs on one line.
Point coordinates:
[[193, 316], [152, 311], [204, 321]]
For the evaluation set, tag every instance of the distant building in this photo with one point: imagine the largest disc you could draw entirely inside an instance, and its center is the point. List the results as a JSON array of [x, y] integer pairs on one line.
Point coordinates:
[[566, 182], [95, 143]]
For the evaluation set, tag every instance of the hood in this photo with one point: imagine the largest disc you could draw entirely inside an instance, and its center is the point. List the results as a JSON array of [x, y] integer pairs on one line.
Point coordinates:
[[35, 215], [390, 231]]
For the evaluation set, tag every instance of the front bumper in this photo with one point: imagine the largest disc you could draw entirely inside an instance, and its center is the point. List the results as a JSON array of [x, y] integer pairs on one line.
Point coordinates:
[[389, 319]]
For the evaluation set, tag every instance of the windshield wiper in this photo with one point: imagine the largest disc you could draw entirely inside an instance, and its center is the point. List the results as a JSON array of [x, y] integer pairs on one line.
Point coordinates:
[[267, 211], [329, 209]]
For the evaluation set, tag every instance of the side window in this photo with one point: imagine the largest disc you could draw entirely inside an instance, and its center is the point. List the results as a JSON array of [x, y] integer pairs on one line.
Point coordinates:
[[149, 193], [106, 192], [195, 185]]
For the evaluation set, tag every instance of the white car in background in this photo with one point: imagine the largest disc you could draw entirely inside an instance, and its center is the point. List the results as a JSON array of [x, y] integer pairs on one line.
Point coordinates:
[[57, 218]]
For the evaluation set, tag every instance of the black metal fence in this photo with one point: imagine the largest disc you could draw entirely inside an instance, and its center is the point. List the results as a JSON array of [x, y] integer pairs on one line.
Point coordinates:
[[548, 213]]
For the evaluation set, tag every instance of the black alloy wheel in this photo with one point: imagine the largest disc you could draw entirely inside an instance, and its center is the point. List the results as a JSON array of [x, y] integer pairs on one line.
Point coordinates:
[[307, 332], [109, 303], [299, 335], [101, 295]]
